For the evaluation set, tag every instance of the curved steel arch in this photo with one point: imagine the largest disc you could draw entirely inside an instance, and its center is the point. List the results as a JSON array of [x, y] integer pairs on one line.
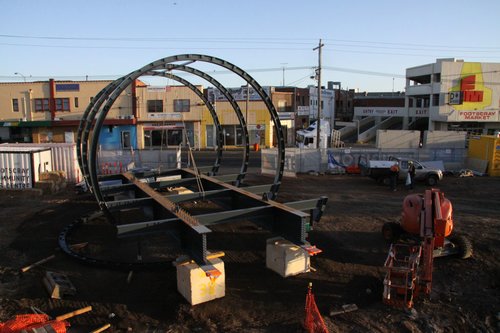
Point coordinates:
[[211, 109], [162, 63], [85, 126], [234, 105]]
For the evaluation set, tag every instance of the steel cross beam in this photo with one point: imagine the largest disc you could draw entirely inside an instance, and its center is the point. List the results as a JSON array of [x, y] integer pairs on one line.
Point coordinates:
[[285, 220], [193, 231]]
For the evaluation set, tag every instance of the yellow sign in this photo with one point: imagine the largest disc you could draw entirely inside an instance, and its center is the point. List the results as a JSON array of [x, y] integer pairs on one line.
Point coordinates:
[[474, 94]]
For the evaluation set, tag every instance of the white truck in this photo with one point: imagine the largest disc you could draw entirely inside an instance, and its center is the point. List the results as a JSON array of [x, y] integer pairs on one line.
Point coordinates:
[[306, 138], [380, 171]]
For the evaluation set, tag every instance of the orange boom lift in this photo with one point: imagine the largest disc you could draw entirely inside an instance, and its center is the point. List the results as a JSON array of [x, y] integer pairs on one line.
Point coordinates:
[[423, 234]]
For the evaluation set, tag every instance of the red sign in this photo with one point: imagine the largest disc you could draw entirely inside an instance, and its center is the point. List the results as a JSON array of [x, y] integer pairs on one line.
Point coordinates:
[[467, 86]]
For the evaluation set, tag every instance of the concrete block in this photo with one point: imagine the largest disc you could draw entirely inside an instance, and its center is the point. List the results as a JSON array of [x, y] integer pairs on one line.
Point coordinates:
[[196, 287], [286, 258]]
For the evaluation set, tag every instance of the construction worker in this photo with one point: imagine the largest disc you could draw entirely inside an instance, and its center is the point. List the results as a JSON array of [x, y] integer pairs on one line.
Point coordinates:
[[411, 172], [394, 176]]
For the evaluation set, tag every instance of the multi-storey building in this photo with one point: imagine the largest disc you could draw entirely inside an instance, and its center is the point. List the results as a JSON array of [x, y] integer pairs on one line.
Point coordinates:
[[50, 111], [169, 116], [455, 95]]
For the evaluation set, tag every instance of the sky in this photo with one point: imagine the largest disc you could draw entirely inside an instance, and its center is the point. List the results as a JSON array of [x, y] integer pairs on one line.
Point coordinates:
[[367, 44]]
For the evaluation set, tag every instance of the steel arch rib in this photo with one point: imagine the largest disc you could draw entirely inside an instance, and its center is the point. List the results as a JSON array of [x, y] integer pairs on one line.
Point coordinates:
[[162, 63], [211, 109], [85, 126], [235, 107]]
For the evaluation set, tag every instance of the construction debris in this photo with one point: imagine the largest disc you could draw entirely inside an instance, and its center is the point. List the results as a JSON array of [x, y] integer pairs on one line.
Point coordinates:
[[345, 309], [28, 323], [38, 263], [58, 285], [101, 329]]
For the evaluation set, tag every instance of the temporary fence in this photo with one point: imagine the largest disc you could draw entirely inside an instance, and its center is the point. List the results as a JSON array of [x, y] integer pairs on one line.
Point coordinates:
[[118, 161], [336, 159]]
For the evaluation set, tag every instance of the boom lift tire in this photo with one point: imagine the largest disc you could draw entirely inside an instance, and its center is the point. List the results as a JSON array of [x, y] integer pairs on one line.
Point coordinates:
[[463, 244]]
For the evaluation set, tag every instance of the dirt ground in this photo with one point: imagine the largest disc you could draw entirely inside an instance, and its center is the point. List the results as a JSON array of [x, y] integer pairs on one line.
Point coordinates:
[[465, 293]]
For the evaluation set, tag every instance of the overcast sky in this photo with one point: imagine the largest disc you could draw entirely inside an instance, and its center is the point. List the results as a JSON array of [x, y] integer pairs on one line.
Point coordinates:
[[367, 44]]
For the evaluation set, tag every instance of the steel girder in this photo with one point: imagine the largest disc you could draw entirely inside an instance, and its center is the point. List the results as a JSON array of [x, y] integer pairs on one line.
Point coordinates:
[[232, 203]]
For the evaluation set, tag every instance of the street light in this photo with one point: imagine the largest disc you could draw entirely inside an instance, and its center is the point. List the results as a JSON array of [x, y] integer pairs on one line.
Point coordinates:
[[24, 77]]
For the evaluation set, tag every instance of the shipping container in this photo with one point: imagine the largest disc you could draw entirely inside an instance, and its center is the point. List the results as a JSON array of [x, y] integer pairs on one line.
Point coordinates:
[[20, 167], [486, 148], [63, 157]]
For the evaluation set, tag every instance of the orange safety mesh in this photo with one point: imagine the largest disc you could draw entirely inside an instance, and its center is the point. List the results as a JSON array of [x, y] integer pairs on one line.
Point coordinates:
[[30, 321], [22, 321], [313, 321]]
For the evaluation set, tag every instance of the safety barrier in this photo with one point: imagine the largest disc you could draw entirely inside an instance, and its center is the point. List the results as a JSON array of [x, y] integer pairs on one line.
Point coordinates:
[[118, 161], [324, 160]]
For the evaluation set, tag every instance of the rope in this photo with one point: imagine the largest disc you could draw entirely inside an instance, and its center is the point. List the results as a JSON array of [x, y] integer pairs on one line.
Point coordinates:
[[195, 168]]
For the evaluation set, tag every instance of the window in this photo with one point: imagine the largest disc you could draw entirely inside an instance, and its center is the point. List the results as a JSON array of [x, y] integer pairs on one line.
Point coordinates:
[[232, 135], [281, 106], [181, 105], [41, 104], [437, 77], [62, 104], [435, 100], [15, 105], [155, 105], [76, 102]]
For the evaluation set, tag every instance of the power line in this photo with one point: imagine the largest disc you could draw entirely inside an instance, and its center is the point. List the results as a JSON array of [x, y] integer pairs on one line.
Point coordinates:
[[274, 41]]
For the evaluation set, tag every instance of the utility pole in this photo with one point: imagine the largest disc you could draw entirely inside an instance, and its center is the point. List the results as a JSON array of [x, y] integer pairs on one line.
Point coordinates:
[[283, 82], [318, 124]]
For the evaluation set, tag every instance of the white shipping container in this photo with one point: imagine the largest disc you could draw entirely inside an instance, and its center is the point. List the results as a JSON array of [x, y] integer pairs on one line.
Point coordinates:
[[63, 157], [20, 167]]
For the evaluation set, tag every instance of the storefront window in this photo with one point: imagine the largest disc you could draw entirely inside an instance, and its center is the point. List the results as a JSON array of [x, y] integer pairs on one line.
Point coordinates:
[[162, 138]]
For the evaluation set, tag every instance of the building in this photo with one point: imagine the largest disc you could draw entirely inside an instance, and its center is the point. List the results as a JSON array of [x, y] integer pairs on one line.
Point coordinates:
[[327, 104], [379, 105], [452, 94], [344, 102], [169, 116], [259, 123], [50, 111]]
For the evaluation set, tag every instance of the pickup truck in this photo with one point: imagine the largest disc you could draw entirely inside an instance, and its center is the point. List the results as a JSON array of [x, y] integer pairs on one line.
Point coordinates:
[[380, 171]]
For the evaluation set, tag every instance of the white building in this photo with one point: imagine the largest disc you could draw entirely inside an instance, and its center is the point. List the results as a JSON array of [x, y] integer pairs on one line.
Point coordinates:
[[327, 104], [454, 95]]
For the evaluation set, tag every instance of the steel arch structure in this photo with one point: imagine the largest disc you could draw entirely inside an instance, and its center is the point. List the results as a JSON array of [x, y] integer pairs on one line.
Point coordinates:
[[166, 212]]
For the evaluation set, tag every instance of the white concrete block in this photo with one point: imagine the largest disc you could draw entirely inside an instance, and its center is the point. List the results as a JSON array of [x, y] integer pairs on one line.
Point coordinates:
[[286, 258], [196, 286]]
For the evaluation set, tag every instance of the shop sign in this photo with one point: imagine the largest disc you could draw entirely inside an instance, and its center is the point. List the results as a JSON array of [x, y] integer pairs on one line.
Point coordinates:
[[164, 116]]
